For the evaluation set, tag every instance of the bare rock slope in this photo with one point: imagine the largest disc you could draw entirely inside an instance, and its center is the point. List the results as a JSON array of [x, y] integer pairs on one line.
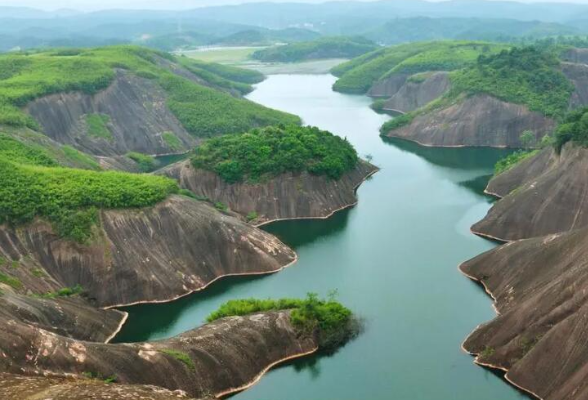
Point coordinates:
[[150, 255], [545, 194], [413, 95], [540, 288], [288, 196], [479, 120], [137, 118], [214, 360]]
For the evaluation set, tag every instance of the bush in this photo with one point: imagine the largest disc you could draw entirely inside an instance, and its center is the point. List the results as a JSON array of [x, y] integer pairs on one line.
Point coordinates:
[[98, 126], [272, 151], [180, 356], [574, 128], [511, 160], [146, 163]]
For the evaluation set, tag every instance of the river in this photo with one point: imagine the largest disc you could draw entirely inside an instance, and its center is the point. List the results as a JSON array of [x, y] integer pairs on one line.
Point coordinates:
[[393, 260]]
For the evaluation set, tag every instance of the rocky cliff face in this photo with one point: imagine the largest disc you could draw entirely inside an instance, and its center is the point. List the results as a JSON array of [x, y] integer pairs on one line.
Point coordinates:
[[389, 86], [523, 172], [288, 196], [579, 56], [578, 75], [547, 194], [151, 255], [214, 360], [413, 95], [540, 288], [137, 113], [479, 120]]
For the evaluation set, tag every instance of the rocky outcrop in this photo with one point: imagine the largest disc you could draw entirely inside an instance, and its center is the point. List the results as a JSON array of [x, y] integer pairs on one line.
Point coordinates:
[[150, 255], [524, 171], [413, 95], [20, 387], [576, 55], [388, 86], [137, 118], [578, 76], [214, 360], [479, 120], [540, 288], [547, 194], [288, 196]]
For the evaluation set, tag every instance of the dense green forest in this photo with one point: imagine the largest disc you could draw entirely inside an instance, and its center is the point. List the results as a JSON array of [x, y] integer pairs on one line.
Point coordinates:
[[271, 151], [202, 110], [358, 75], [329, 318], [521, 75], [326, 47], [574, 128], [32, 184]]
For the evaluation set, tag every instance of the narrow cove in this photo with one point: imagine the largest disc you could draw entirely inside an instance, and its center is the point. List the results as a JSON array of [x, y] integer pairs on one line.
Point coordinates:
[[386, 258]]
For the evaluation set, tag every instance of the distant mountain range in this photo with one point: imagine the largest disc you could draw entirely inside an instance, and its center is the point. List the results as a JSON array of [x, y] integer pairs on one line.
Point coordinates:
[[386, 22]]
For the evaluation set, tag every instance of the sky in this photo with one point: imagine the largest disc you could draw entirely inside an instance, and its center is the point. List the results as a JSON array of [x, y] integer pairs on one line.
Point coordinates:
[[90, 5]]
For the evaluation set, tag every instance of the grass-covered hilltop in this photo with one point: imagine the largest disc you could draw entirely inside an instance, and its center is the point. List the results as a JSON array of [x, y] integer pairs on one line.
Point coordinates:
[[268, 152], [325, 47], [359, 74], [457, 93], [120, 99]]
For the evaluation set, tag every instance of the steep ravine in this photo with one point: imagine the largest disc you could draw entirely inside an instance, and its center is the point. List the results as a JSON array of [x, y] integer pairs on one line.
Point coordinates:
[[287, 196]]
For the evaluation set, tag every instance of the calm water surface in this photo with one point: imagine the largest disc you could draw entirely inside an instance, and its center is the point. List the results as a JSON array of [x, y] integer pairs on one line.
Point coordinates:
[[393, 260]]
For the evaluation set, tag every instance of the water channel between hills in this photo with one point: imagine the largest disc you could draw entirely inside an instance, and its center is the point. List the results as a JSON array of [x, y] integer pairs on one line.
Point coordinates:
[[393, 259]]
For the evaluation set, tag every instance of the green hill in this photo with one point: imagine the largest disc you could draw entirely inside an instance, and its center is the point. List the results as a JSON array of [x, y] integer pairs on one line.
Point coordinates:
[[326, 47], [358, 75], [203, 110]]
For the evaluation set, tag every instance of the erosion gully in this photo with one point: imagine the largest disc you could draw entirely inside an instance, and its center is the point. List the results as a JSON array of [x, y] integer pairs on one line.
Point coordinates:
[[392, 258]]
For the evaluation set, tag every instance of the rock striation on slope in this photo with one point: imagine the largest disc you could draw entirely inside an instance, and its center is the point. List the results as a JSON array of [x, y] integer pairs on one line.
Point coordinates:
[[544, 194], [539, 336], [287, 196]]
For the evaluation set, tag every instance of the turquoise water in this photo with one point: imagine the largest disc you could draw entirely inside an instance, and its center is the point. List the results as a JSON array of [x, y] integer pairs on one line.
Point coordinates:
[[393, 259]]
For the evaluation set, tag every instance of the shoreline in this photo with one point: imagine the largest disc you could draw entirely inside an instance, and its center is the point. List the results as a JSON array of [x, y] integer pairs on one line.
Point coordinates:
[[476, 355], [350, 205]]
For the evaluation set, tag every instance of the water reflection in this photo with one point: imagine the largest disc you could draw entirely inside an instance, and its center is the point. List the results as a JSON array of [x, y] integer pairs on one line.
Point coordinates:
[[297, 233], [451, 157]]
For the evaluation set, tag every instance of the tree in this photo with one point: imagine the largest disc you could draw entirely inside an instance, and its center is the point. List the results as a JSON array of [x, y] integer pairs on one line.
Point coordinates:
[[527, 138]]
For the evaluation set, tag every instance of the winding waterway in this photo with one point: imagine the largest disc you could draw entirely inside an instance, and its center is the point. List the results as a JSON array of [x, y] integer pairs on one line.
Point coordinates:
[[393, 259]]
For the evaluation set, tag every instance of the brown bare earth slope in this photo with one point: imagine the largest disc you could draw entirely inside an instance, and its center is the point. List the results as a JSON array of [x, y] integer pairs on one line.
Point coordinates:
[[137, 111], [548, 194], [213, 360], [541, 333], [20, 387], [479, 120], [287, 196], [413, 95], [148, 255]]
